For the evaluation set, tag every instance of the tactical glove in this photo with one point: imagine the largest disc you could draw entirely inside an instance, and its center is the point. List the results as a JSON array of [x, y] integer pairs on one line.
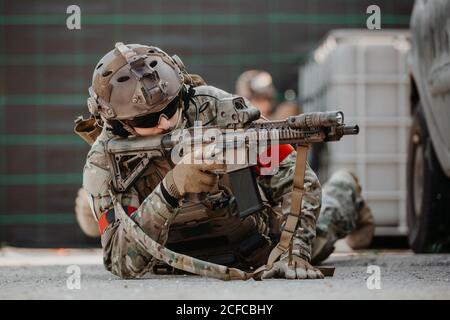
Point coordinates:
[[298, 268], [192, 174]]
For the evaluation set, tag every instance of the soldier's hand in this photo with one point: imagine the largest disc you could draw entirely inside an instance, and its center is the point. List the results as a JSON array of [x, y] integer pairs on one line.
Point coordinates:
[[298, 269], [193, 174]]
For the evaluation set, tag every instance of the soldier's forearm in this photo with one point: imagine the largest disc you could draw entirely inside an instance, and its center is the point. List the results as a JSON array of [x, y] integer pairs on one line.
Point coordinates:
[[278, 188], [311, 202], [122, 255], [155, 215], [277, 185]]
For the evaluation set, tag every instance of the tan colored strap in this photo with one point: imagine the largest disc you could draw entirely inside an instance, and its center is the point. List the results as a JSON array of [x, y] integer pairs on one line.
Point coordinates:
[[87, 129], [296, 207]]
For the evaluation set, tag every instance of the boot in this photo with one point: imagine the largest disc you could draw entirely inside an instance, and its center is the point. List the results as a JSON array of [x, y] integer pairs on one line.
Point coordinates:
[[361, 237]]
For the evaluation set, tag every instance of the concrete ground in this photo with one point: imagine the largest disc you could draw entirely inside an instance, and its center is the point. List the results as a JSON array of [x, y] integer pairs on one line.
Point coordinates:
[[42, 274]]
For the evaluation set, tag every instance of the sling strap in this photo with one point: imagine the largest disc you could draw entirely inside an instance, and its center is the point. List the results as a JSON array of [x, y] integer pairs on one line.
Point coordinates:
[[293, 218]]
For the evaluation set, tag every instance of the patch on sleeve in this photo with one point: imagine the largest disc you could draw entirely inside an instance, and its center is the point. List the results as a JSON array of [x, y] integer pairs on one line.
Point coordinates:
[[270, 159]]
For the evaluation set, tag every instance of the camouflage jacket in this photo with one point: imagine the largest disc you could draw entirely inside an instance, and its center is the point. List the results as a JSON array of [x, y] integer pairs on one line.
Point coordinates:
[[154, 213]]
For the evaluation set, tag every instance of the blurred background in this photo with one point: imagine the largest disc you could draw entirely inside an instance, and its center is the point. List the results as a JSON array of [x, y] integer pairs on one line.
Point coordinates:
[[46, 69]]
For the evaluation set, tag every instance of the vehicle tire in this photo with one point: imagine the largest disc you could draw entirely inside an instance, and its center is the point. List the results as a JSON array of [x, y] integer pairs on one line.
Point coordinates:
[[428, 190]]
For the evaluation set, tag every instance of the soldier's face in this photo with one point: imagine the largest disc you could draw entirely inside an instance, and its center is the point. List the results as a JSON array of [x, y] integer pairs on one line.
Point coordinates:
[[164, 125]]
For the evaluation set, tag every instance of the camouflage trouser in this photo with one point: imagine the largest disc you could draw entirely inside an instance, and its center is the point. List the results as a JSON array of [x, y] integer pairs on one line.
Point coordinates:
[[339, 214]]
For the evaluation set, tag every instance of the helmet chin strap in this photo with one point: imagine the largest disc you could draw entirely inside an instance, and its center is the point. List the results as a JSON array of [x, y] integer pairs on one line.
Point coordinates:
[[180, 116]]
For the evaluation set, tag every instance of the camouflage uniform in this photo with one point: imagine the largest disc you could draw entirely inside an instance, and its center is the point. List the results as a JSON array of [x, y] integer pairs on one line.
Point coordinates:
[[343, 213], [341, 199], [122, 255]]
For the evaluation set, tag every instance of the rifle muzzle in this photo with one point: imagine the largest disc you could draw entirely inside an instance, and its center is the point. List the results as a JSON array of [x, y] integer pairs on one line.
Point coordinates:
[[347, 130]]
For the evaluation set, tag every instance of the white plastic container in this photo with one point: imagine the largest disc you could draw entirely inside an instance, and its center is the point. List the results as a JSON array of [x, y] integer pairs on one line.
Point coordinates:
[[364, 74]]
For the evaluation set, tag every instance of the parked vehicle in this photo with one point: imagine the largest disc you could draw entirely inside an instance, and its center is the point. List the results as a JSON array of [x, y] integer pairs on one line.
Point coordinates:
[[428, 166]]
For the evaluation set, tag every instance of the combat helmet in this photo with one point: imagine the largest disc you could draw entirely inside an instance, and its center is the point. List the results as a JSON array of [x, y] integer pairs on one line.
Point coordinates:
[[255, 84], [134, 80]]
